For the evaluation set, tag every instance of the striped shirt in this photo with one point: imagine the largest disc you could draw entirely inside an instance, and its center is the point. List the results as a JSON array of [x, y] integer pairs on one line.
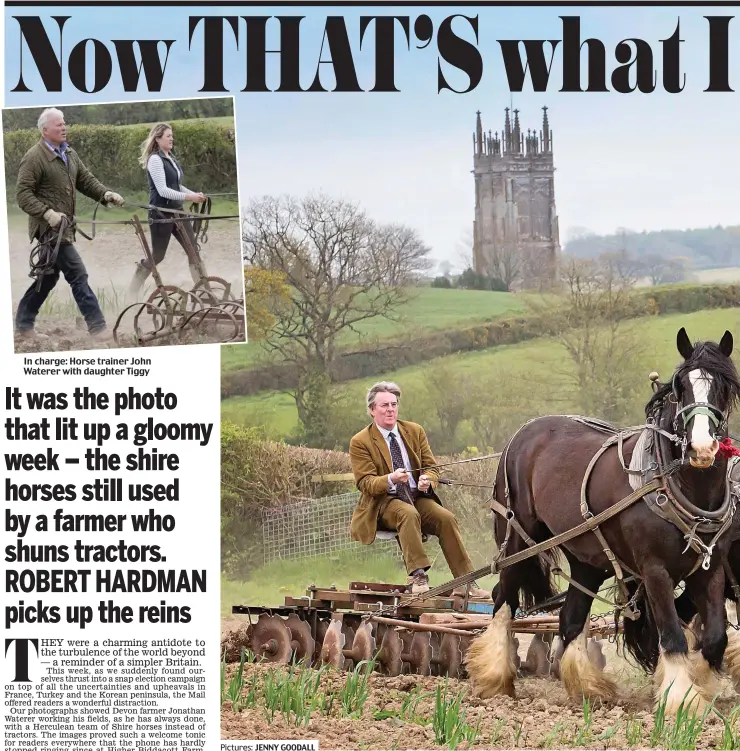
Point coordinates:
[[155, 167]]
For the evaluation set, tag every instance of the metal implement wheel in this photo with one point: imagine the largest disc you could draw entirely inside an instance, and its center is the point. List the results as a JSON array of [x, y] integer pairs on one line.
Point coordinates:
[[436, 640], [301, 640], [406, 637], [321, 629], [595, 654], [419, 655], [536, 662], [349, 638], [332, 648], [450, 655], [389, 655], [270, 639], [363, 645]]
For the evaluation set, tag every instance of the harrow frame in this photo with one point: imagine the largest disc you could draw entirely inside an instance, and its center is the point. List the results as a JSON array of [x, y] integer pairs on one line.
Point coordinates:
[[339, 627]]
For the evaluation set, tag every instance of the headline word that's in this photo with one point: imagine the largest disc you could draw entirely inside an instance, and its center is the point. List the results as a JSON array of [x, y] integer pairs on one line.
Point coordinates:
[[289, 54]]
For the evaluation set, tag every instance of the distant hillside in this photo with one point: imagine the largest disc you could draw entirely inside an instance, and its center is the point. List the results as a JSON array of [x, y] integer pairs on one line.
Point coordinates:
[[708, 248]]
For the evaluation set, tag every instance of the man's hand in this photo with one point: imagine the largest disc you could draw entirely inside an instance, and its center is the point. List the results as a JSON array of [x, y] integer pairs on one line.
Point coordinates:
[[424, 483], [111, 197], [53, 218], [400, 475]]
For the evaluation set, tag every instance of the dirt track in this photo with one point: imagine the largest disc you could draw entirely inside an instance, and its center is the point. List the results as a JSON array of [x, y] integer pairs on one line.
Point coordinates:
[[110, 260], [541, 715]]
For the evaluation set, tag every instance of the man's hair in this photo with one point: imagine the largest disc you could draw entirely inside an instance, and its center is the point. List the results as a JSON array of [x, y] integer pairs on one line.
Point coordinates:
[[378, 388], [46, 115]]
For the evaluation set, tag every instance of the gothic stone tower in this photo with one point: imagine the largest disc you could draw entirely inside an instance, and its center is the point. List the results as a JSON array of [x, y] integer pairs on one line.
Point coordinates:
[[516, 227]]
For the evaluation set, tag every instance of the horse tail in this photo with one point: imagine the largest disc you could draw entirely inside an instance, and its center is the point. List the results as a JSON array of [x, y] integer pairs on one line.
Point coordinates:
[[640, 636]]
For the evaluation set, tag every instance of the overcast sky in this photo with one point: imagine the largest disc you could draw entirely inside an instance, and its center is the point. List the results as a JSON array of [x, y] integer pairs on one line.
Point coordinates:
[[623, 160]]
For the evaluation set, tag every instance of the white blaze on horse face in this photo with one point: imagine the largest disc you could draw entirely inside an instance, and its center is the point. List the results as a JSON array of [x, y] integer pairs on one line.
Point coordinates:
[[701, 437]]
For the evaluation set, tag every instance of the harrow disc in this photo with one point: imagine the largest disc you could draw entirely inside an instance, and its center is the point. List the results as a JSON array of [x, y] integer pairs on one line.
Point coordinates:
[[450, 655], [389, 655], [271, 639], [595, 653], [515, 651], [419, 656], [332, 649], [536, 663], [321, 629], [405, 637], [436, 641], [302, 642], [363, 644]]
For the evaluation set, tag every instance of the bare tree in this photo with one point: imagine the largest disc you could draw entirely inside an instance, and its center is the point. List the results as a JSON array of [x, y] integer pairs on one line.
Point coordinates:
[[338, 265], [400, 254], [507, 263], [622, 265], [662, 270], [604, 352]]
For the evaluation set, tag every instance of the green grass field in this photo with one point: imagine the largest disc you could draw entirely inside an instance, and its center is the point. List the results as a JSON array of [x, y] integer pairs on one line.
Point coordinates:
[[718, 276], [429, 310], [527, 363]]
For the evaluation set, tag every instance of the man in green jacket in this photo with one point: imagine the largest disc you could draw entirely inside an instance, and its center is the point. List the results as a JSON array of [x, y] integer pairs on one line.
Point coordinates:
[[49, 176]]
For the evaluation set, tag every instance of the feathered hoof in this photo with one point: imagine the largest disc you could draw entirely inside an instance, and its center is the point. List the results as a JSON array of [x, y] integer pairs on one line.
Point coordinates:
[[489, 660], [684, 680], [581, 676], [732, 657]]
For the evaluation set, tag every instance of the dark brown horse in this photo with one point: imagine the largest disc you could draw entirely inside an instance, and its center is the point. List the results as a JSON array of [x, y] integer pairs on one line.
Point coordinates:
[[540, 478]]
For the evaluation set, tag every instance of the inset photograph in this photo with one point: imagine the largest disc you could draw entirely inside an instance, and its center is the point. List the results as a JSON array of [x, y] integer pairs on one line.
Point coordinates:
[[123, 223]]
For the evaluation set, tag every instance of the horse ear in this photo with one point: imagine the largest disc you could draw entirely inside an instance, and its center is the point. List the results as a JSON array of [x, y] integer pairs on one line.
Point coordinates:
[[685, 348], [725, 345]]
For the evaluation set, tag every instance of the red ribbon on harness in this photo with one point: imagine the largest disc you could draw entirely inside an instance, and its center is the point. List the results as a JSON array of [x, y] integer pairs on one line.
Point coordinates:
[[726, 449]]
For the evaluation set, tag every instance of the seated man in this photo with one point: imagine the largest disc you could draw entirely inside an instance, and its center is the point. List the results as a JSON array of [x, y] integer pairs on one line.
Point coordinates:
[[387, 457]]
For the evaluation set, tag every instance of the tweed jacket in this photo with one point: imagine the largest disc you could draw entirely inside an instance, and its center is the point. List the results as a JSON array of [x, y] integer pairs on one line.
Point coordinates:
[[45, 182], [371, 465]]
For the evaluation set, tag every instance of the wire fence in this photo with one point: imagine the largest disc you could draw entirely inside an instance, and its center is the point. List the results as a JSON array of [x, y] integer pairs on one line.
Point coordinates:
[[316, 528]]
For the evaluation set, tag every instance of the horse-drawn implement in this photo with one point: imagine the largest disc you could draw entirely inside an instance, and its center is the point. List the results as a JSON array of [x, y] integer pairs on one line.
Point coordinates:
[[209, 306], [171, 311], [343, 627], [651, 506]]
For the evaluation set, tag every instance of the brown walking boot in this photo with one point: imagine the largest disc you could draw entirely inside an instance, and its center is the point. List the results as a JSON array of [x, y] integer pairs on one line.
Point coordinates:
[[476, 593], [419, 582]]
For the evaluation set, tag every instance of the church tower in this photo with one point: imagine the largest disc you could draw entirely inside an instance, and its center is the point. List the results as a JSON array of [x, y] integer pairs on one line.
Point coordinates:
[[515, 233]]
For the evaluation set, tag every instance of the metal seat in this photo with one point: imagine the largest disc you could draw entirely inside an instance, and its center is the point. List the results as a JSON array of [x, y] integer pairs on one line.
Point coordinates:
[[391, 534]]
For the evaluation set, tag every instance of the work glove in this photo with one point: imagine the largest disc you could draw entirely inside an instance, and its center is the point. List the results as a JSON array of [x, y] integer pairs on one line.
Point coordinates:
[[111, 197], [53, 218]]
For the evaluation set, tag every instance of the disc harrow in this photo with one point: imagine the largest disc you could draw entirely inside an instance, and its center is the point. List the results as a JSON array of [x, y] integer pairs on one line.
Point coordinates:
[[337, 627]]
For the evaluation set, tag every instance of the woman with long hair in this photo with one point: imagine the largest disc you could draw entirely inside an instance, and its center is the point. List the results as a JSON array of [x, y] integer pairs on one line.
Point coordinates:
[[166, 191]]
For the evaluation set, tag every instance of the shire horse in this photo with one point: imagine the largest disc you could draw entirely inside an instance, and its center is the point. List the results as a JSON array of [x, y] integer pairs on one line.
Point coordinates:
[[540, 478]]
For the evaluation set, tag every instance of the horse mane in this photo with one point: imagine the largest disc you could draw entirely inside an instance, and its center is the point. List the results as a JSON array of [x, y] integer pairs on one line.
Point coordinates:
[[706, 356]]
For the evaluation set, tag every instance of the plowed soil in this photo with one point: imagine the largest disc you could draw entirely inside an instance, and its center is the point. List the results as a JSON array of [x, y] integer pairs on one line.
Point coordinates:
[[540, 716], [110, 260]]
